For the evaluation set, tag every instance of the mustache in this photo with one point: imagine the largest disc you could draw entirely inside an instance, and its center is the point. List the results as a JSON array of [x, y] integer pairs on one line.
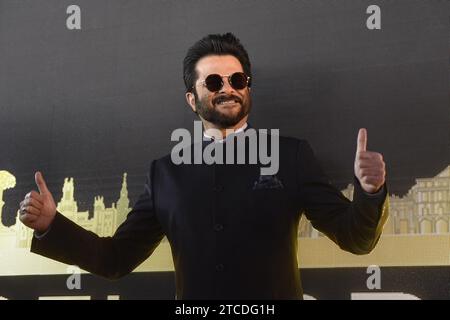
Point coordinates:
[[222, 98]]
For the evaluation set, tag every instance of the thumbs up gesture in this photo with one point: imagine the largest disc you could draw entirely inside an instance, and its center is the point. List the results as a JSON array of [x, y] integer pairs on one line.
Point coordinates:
[[370, 168], [38, 210]]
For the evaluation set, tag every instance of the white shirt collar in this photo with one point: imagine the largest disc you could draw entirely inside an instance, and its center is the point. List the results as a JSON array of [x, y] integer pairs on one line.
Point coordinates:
[[223, 140]]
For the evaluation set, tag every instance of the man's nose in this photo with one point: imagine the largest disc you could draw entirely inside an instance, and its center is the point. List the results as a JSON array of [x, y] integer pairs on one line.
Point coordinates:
[[227, 88]]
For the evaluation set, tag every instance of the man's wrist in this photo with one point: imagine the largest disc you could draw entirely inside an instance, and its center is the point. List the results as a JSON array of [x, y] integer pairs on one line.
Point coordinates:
[[377, 193], [380, 192], [39, 235]]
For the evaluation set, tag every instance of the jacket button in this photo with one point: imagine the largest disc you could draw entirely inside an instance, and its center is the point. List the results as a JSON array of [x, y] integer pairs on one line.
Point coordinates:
[[218, 227], [219, 267], [218, 188]]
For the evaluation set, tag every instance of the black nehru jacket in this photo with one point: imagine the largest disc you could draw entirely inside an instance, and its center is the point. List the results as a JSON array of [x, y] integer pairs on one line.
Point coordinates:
[[233, 232]]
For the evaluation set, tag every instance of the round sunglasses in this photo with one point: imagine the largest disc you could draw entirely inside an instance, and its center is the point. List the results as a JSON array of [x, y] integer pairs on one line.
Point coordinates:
[[237, 80]]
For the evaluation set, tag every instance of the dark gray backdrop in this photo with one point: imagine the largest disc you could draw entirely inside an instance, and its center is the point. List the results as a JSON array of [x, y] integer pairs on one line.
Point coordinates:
[[95, 103]]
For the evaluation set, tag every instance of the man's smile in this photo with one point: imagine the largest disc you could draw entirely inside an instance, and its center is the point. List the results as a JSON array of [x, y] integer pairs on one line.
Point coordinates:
[[227, 102]]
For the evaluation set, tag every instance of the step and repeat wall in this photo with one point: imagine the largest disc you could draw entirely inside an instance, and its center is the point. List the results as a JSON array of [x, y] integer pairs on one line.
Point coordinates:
[[90, 92]]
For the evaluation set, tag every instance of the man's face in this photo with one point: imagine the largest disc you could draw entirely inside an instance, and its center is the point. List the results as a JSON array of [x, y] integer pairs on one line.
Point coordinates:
[[226, 107]]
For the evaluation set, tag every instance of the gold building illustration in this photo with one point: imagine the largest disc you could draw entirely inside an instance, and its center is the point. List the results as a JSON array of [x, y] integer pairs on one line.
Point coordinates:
[[425, 209], [104, 222], [417, 232]]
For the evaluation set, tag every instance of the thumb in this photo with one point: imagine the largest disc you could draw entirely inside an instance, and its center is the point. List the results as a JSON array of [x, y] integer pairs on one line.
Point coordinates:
[[362, 140], [40, 182]]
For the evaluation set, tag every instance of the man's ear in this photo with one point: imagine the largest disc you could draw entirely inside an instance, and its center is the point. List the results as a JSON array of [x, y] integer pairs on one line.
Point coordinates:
[[190, 98]]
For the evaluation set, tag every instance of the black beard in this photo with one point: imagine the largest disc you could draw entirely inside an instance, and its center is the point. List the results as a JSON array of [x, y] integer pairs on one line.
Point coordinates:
[[209, 112]]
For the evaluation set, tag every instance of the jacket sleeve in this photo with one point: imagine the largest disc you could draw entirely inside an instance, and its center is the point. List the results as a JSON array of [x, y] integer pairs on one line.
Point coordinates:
[[111, 257], [355, 226]]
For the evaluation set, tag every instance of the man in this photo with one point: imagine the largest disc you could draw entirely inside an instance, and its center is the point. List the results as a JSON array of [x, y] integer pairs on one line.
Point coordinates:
[[233, 232]]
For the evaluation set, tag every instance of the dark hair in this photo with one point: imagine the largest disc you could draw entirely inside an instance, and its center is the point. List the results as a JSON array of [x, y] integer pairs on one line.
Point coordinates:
[[213, 44]]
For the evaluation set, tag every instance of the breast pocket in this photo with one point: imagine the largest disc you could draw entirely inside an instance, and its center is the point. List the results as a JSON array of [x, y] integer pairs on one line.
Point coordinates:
[[267, 201]]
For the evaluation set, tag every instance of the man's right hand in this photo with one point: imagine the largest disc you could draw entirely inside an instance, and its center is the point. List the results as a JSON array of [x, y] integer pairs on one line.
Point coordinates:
[[38, 210]]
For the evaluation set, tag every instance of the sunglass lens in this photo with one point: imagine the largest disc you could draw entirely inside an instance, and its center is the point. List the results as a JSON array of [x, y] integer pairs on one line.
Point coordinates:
[[213, 82], [238, 80]]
